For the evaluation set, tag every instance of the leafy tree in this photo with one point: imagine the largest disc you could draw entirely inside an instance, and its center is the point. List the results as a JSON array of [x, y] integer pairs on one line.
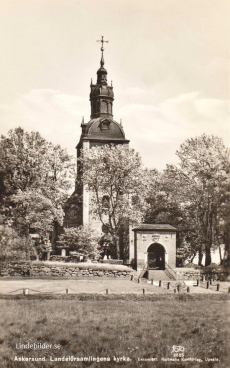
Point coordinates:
[[162, 206], [82, 240], [115, 178], [33, 210], [197, 184], [35, 177], [29, 161], [13, 247], [224, 224]]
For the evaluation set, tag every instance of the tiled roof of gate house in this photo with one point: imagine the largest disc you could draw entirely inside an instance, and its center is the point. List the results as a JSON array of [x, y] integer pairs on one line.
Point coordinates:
[[155, 227]]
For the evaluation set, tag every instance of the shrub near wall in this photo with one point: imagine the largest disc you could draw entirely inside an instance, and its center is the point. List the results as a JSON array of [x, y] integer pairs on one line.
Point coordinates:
[[59, 269], [220, 275]]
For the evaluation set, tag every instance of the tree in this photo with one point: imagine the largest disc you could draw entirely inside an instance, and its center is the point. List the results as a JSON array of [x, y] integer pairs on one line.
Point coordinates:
[[13, 247], [162, 206], [33, 210], [36, 177], [115, 179], [29, 161], [224, 230], [82, 240], [197, 184]]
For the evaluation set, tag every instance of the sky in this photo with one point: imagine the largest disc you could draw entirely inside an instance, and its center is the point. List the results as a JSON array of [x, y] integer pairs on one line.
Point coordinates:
[[168, 60]]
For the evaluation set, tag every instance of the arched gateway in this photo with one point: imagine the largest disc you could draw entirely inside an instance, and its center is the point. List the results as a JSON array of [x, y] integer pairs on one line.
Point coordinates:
[[154, 247], [156, 257]]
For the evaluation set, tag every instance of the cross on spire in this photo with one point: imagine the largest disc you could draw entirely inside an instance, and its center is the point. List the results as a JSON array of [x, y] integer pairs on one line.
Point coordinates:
[[102, 41], [102, 49]]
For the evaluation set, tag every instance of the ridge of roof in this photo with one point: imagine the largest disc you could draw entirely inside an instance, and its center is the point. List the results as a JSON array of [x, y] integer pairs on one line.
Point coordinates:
[[155, 227]]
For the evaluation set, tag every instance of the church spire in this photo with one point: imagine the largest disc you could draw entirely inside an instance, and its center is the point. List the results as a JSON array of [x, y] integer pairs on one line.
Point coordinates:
[[102, 72], [101, 96], [102, 50]]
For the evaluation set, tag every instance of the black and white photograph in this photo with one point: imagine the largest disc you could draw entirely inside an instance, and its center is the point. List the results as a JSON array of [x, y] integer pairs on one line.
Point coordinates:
[[114, 183]]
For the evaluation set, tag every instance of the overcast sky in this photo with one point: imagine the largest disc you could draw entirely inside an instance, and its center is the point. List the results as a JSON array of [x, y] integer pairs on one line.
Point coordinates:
[[168, 60]]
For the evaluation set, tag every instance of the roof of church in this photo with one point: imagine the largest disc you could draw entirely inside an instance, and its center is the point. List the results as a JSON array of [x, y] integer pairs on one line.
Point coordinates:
[[155, 227], [95, 129], [102, 69]]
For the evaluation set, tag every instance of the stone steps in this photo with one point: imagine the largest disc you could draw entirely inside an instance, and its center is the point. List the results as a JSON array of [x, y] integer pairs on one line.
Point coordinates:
[[157, 275]]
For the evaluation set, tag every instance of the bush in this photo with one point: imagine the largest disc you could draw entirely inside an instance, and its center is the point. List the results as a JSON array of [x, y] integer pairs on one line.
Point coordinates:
[[82, 240]]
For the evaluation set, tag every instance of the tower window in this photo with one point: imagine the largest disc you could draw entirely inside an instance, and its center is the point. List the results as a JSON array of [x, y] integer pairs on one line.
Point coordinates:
[[104, 106], [104, 125]]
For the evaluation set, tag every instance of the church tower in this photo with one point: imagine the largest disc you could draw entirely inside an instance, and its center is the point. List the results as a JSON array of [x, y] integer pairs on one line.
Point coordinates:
[[100, 130], [152, 247]]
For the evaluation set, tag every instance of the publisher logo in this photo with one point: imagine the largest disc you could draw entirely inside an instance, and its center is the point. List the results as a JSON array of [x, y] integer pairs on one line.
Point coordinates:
[[178, 351]]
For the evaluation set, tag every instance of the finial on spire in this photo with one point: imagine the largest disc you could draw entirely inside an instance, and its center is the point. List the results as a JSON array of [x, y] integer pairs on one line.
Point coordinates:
[[121, 122], [91, 81], [102, 49], [111, 83], [83, 120]]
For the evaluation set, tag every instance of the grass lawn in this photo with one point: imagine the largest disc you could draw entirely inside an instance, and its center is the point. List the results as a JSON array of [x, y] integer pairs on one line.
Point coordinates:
[[106, 326]]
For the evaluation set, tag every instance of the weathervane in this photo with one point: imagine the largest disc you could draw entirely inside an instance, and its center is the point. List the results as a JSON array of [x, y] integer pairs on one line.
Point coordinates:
[[102, 49]]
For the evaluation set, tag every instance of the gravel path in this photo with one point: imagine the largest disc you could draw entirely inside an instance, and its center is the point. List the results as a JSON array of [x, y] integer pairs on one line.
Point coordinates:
[[94, 286]]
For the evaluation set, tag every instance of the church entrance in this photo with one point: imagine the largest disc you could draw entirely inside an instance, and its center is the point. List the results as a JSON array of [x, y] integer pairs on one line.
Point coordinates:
[[156, 257]]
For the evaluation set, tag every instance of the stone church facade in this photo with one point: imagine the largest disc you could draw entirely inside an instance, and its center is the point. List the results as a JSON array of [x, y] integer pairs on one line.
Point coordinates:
[[102, 129]]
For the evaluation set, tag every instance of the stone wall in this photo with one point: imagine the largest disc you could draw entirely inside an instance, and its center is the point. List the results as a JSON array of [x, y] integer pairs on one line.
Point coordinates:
[[188, 273], [58, 269], [194, 274]]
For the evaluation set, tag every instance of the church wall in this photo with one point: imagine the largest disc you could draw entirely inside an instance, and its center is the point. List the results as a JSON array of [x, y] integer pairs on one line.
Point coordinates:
[[94, 220], [85, 194], [73, 210], [102, 143], [131, 245]]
